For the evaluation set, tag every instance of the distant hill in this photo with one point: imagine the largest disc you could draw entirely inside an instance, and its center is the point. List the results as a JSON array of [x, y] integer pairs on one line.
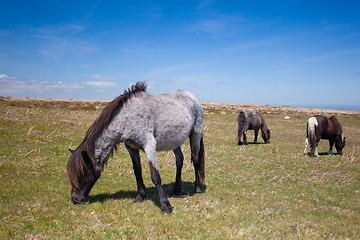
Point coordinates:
[[209, 107]]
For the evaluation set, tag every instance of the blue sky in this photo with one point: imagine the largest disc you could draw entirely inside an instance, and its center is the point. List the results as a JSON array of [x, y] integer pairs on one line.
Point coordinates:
[[299, 53]]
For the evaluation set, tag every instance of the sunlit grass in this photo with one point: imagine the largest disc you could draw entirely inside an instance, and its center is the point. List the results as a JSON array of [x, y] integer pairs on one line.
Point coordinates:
[[262, 191]]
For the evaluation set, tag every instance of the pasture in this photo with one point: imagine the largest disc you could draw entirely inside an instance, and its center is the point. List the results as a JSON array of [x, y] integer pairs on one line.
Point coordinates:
[[262, 191]]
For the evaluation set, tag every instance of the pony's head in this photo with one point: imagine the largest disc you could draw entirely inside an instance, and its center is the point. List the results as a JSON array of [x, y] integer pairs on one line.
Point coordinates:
[[340, 143], [266, 135], [82, 175]]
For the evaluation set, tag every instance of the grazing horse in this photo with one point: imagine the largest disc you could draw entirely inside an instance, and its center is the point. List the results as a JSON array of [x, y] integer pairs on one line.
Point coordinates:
[[142, 121], [320, 127], [249, 121]]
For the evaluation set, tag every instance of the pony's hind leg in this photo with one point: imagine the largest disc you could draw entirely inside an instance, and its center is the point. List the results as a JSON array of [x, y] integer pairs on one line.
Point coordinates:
[[135, 157], [256, 135], [150, 151], [179, 164], [331, 143], [197, 157], [316, 154], [245, 139], [306, 145]]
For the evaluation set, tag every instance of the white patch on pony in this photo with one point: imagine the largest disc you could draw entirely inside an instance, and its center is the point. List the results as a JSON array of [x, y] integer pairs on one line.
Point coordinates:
[[312, 123], [306, 145]]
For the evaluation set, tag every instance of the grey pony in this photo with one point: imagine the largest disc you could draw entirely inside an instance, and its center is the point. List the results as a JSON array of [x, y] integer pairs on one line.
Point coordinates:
[[147, 122], [252, 121]]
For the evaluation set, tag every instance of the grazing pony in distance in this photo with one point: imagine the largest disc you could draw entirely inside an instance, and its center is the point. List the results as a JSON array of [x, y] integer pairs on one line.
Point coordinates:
[[252, 121], [320, 127], [142, 121]]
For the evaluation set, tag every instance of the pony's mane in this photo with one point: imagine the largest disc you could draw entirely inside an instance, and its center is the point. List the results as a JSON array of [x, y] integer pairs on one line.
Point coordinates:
[[76, 165], [334, 119], [107, 115]]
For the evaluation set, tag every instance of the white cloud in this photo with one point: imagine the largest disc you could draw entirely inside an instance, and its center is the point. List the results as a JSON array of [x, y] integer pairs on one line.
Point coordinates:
[[6, 77], [101, 77], [104, 84], [12, 86]]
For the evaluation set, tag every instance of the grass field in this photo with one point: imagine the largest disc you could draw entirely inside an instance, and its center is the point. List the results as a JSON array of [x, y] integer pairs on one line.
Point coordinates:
[[263, 191]]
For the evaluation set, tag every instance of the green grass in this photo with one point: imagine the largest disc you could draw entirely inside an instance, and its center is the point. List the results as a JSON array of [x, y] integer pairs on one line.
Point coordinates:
[[263, 191]]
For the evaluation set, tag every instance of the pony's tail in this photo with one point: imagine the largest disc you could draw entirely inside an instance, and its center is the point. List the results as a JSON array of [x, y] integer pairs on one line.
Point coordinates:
[[311, 126], [202, 161], [241, 125]]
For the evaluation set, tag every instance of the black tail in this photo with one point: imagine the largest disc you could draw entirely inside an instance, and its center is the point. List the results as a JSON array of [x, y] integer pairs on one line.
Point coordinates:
[[202, 161], [241, 125]]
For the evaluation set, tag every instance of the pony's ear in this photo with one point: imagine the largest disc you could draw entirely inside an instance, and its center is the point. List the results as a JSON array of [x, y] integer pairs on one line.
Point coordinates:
[[72, 151]]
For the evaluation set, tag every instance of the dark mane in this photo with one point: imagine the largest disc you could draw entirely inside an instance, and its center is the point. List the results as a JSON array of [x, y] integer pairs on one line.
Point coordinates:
[[335, 121], [107, 115], [76, 165]]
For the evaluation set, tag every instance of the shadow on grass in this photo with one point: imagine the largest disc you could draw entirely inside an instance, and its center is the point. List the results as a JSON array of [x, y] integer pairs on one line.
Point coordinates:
[[252, 143], [323, 154], [187, 189]]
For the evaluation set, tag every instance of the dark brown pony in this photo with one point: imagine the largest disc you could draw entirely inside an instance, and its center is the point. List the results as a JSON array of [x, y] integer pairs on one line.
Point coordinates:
[[320, 127], [252, 121]]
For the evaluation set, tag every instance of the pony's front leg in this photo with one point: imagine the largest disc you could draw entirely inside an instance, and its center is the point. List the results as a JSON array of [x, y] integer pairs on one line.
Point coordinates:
[[179, 164], [331, 142], [135, 157], [150, 151], [316, 154]]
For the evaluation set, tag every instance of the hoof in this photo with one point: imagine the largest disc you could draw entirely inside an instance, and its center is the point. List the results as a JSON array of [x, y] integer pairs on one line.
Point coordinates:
[[166, 209], [175, 195], [198, 190], [139, 198]]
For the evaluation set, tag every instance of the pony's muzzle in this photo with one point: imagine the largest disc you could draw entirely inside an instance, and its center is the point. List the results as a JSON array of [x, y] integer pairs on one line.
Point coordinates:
[[77, 198], [76, 201]]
